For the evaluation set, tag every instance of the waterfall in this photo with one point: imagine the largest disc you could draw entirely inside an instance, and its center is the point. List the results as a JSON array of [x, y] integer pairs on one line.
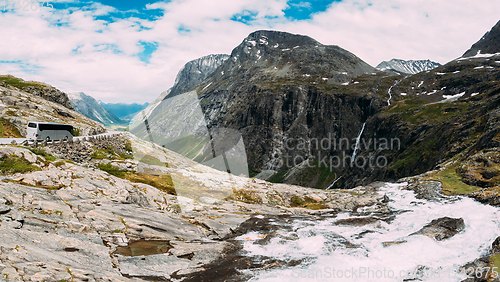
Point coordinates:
[[331, 185], [357, 143], [390, 95], [390, 88]]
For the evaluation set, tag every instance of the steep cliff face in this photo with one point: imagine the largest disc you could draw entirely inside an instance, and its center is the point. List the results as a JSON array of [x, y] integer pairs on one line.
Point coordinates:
[[192, 74], [89, 107], [195, 72], [488, 44]]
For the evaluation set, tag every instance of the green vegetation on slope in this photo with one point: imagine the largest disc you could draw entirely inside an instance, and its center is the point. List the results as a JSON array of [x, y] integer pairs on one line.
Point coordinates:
[[14, 164], [18, 82], [8, 130], [452, 181]]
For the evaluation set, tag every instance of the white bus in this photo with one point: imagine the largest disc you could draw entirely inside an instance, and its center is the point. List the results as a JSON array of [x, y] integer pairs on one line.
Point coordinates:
[[49, 131]]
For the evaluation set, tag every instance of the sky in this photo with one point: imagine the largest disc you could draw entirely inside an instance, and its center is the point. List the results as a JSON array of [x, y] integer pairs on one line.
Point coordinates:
[[122, 51]]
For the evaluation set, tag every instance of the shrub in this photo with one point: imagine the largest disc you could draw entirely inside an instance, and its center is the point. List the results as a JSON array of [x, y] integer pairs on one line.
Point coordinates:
[[75, 132], [41, 152], [109, 168]]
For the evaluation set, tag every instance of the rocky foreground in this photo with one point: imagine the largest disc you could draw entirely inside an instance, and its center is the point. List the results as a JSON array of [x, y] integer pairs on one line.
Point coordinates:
[[63, 220], [123, 209]]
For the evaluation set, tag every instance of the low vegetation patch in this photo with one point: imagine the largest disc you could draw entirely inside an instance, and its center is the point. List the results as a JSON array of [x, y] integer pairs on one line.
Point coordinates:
[[160, 182], [8, 130], [150, 160], [109, 168], [18, 82], [246, 196], [14, 164], [41, 152], [75, 132], [495, 265], [452, 181], [307, 203], [109, 153]]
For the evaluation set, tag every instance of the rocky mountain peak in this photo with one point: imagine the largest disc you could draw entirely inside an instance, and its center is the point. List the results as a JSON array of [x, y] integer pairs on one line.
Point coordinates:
[[407, 67], [488, 44], [196, 71], [282, 54], [285, 39]]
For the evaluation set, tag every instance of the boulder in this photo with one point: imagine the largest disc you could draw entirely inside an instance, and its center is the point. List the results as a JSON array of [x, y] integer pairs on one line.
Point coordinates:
[[495, 247], [442, 228]]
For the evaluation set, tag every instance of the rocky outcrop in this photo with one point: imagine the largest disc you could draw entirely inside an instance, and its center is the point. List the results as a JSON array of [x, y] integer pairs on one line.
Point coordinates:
[[484, 268], [19, 107], [50, 94], [442, 228], [64, 221]]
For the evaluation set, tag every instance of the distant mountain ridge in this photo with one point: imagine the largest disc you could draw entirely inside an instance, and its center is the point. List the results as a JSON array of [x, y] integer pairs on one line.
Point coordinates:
[[407, 67], [122, 110], [89, 107]]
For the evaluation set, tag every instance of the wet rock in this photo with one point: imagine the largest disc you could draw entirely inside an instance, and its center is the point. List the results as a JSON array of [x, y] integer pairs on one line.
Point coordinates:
[[392, 243], [495, 246], [488, 196], [356, 221], [429, 190], [442, 228], [386, 199]]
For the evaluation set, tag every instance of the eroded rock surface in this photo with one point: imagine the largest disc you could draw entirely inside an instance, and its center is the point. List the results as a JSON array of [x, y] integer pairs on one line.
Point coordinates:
[[75, 222]]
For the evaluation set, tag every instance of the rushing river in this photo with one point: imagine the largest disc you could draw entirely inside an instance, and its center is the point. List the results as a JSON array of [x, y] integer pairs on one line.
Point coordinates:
[[312, 249]]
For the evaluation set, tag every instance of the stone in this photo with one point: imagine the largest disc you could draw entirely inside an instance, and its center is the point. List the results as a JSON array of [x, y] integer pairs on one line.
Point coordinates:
[[495, 246], [442, 228]]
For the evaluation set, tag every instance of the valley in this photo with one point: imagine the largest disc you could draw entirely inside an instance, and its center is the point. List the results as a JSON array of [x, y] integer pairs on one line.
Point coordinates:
[[286, 159]]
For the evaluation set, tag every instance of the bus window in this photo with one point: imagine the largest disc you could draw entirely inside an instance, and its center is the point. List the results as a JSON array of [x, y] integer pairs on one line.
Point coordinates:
[[32, 125]]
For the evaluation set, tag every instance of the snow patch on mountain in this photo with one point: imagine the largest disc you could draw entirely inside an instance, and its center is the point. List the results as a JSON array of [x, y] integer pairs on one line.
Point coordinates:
[[409, 67]]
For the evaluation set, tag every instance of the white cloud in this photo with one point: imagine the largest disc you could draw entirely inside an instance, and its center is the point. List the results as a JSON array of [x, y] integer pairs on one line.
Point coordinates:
[[421, 29]]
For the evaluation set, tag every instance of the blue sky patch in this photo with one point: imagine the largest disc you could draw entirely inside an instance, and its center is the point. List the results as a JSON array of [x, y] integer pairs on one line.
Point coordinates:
[[25, 67], [149, 49], [124, 9], [245, 17], [304, 10], [108, 48]]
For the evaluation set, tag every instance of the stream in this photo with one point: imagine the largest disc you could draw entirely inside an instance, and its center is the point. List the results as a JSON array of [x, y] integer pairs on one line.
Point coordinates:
[[373, 246]]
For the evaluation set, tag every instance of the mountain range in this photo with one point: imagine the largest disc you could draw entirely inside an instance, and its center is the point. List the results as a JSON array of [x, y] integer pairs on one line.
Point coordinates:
[[89, 107], [281, 91], [123, 111], [113, 115], [407, 67]]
